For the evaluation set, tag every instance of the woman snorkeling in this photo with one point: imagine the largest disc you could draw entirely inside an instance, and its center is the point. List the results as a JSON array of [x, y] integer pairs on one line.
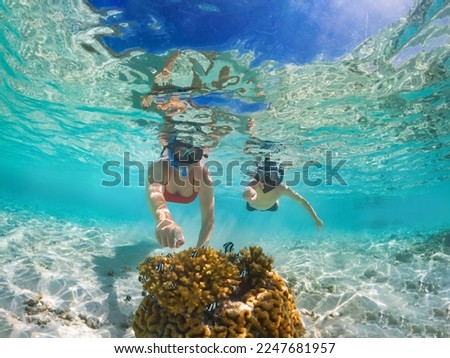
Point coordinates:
[[179, 176]]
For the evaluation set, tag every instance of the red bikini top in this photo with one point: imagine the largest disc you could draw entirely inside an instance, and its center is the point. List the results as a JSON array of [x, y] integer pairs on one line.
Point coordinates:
[[176, 198]]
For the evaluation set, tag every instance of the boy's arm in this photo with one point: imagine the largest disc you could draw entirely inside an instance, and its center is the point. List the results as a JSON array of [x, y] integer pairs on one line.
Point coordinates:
[[206, 193], [303, 202]]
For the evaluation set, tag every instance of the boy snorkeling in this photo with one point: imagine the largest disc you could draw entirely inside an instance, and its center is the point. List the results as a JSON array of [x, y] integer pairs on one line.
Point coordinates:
[[263, 192]]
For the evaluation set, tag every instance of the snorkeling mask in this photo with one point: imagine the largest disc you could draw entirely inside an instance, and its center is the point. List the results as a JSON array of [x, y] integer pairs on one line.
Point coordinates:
[[181, 155], [270, 174]]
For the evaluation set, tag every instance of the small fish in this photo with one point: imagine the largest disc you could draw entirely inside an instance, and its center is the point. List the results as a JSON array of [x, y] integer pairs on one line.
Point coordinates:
[[194, 253], [128, 298], [243, 273], [268, 106], [142, 307], [148, 260], [211, 307], [153, 298], [169, 255], [142, 279], [171, 267], [171, 286], [228, 247], [159, 267], [235, 257]]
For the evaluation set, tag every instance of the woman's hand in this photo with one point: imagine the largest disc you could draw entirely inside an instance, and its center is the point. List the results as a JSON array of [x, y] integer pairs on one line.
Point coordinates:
[[169, 234]]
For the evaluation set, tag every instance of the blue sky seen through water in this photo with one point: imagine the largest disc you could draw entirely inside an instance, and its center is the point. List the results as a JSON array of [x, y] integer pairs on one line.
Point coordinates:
[[296, 31]]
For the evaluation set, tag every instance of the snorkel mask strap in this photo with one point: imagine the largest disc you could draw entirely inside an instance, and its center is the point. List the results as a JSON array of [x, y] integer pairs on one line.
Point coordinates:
[[172, 162], [280, 173], [167, 147], [263, 175]]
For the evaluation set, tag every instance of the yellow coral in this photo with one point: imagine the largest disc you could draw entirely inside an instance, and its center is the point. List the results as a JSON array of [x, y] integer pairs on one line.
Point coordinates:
[[190, 280], [206, 293]]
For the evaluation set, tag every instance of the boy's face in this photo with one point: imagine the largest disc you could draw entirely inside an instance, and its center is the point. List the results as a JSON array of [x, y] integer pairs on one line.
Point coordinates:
[[272, 176], [270, 180]]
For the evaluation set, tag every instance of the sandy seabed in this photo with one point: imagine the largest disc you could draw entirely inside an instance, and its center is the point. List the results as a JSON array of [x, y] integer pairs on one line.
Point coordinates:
[[64, 279]]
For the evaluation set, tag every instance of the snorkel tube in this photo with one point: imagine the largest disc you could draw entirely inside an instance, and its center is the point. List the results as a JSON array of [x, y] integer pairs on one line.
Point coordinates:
[[174, 164]]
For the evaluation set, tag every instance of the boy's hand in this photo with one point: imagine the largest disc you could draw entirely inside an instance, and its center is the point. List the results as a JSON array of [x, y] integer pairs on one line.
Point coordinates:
[[319, 224], [169, 234], [250, 194]]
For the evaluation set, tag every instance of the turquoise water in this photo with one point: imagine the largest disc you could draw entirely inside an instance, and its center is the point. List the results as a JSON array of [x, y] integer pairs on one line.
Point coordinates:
[[70, 244]]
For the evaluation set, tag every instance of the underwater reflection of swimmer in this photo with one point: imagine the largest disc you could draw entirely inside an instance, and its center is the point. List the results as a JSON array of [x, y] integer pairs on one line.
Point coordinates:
[[191, 97], [225, 78], [199, 64], [194, 76], [168, 106], [264, 191], [179, 176]]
